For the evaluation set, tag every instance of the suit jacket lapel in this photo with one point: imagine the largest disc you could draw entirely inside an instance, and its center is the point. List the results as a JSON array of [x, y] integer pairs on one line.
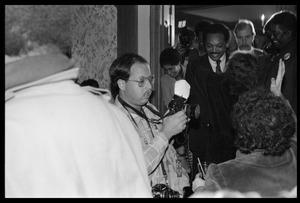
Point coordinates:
[[207, 64]]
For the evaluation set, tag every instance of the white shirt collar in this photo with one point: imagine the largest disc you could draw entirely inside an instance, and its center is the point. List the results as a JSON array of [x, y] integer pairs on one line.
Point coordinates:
[[214, 63]]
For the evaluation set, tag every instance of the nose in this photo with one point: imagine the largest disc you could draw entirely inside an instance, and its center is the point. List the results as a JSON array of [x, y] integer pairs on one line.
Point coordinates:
[[148, 83], [243, 41]]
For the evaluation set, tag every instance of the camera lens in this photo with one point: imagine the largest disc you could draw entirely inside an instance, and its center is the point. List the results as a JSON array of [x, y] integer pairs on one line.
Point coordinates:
[[193, 111]]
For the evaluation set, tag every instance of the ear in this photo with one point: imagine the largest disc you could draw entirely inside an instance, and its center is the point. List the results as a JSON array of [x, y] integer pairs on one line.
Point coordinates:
[[121, 84]]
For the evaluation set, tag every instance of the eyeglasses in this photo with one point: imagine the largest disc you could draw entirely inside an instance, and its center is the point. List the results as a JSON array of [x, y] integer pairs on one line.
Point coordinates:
[[142, 81]]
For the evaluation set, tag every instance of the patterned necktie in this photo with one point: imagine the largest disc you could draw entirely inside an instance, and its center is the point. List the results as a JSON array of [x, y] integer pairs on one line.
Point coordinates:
[[218, 68]]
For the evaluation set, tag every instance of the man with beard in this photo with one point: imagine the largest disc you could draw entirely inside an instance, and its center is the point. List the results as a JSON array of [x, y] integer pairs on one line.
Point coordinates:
[[281, 29], [210, 136], [131, 86]]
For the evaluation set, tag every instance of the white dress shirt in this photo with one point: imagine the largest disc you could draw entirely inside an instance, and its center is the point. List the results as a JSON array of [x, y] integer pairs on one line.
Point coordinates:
[[214, 63]]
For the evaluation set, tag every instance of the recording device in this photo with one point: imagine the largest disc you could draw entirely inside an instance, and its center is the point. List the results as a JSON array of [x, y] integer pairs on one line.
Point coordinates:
[[163, 191], [186, 37], [178, 102]]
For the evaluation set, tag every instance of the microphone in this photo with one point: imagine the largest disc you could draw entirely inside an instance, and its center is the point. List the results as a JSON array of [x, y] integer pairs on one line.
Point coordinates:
[[178, 102], [182, 89]]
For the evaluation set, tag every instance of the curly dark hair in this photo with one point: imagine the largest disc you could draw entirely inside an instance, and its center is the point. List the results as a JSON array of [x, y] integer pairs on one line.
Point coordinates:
[[242, 72], [263, 122]]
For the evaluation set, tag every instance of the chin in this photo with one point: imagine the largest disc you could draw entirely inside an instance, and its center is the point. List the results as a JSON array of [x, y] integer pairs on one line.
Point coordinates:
[[144, 100], [214, 58]]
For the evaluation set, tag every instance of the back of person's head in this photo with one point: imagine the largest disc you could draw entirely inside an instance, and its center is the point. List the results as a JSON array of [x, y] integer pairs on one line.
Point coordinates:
[[120, 69], [217, 28], [90, 82], [201, 26], [38, 29], [169, 56], [242, 24], [242, 72], [263, 122], [286, 20]]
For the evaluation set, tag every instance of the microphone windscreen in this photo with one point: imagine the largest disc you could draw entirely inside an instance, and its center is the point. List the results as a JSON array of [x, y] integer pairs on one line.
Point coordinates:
[[182, 88]]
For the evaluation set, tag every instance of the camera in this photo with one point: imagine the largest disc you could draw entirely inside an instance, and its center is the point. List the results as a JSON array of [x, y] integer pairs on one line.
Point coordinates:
[[163, 191], [178, 103], [186, 37]]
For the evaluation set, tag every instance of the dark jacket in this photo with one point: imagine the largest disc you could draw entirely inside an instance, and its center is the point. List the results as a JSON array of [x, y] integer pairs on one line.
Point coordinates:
[[289, 83], [212, 134]]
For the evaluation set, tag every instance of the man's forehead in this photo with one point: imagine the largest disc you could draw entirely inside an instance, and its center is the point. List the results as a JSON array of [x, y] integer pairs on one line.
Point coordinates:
[[140, 69], [215, 36], [246, 29], [276, 27]]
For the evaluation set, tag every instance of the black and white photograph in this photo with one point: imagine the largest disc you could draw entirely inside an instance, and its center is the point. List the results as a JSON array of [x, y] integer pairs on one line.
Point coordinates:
[[150, 101]]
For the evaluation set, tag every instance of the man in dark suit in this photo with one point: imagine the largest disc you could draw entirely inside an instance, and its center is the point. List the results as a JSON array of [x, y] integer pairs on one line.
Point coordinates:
[[281, 29], [210, 136]]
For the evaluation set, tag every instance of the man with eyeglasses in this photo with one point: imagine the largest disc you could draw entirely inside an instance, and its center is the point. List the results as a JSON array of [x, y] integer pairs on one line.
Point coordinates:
[[281, 29], [62, 140], [131, 87]]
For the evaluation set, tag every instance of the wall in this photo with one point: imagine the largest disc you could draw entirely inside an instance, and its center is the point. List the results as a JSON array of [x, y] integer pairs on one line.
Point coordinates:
[[144, 31], [94, 41]]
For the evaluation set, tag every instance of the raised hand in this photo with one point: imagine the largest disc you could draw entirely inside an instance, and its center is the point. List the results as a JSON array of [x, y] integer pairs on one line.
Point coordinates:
[[275, 86]]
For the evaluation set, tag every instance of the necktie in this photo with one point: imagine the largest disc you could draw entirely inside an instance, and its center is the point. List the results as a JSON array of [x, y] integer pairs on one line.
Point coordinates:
[[218, 68]]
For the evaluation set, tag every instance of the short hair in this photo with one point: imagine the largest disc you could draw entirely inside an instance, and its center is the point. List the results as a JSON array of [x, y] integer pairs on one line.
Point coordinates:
[[242, 72], [43, 27], [263, 121], [120, 69], [242, 24], [285, 19], [201, 26], [217, 28], [169, 56]]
